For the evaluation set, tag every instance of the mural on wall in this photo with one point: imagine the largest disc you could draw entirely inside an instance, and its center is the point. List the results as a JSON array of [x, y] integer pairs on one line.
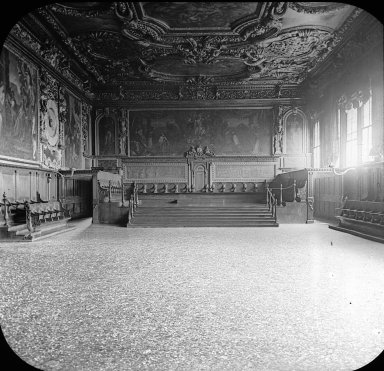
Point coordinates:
[[18, 107], [72, 133], [225, 131], [107, 136], [294, 129]]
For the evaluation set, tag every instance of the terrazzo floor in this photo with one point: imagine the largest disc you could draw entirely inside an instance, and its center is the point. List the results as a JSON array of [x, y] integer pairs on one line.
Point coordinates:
[[297, 297]]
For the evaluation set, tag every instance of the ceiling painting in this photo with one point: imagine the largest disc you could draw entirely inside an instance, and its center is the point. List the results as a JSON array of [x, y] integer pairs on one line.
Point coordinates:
[[252, 42]]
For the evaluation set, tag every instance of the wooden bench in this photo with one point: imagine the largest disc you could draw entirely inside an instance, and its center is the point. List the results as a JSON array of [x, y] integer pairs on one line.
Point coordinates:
[[42, 212], [366, 218], [367, 211]]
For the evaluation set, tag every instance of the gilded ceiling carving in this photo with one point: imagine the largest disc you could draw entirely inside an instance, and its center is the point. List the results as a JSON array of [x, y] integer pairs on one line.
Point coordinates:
[[177, 43], [315, 7]]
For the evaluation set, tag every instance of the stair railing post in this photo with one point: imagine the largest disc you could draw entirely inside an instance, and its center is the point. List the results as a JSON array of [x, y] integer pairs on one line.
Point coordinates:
[[281, 195], [294, 189], [28, 217], [274, 211], [5, 212], [137, 196], [129, 212]]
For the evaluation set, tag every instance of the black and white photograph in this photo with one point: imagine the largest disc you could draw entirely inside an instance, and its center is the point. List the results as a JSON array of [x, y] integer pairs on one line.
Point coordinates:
[[191, 186]]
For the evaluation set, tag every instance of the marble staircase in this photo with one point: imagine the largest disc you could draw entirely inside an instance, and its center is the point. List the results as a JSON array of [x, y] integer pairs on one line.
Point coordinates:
[[210, 214]]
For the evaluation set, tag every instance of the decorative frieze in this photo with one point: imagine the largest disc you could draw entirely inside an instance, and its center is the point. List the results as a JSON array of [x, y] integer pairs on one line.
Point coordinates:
[[156, 172], [194, 93], [85, 121], [243, 171]]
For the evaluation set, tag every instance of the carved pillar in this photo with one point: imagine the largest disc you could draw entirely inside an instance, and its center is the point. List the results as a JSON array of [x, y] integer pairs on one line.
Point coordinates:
[[278, 131], [310, 198], [123, 130]]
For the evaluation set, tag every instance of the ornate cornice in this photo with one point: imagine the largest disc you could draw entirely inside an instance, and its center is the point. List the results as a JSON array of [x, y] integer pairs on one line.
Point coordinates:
[[355, 50], [196, 92], [55, 24], [82, 11], [303, 7], [46, 53]]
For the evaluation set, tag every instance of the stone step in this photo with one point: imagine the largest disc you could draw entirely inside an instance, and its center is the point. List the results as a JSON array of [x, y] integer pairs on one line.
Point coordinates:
[[208, 225], [17, 227], [203, 213], [19, 232], [201, 217], [198, 211], [198, 220]]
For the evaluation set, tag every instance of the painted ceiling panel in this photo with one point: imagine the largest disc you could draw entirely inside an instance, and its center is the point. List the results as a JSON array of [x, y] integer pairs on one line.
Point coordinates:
[[252, 42]]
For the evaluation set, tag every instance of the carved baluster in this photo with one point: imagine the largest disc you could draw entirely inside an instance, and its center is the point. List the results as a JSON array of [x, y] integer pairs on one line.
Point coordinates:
[[281, 195], [254, 187], [28, 218], [176, 188], [244, 187], [166, 188], [144, 188], [5, 209], [233, 189], [155, 188]]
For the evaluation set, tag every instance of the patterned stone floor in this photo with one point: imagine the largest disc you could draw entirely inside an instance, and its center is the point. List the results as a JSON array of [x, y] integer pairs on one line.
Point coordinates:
[[297, 297]]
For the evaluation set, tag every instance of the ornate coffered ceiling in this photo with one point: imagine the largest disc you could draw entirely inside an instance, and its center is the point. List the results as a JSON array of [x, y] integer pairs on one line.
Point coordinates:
[[122, 43]]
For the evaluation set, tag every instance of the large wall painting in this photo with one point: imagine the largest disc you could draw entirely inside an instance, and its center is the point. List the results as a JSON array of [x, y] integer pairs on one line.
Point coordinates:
[[107, 136], [225, 131], [72, 133], [18, 107]]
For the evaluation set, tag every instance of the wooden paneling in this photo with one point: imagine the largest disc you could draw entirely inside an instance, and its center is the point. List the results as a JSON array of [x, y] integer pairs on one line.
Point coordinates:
[[364, 183], [77, 197], [23, 184]]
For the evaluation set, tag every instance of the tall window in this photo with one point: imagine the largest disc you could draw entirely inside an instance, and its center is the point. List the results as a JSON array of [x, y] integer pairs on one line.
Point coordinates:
[[316, 144], [358, 135], [366, 130], [351, 144]]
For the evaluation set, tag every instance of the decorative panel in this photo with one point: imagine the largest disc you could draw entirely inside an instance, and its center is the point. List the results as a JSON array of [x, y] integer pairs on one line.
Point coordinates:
[[52, 120], [294, 162], [243, 171], [18, 107], [294, 132], [156, 172], [107, 163], [73, 133], [225, 131], [107, 135]]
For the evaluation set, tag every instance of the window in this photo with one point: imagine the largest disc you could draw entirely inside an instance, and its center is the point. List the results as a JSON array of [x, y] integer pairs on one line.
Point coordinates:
[[316, 144], [358, 136], [351, 144], [366, 130]]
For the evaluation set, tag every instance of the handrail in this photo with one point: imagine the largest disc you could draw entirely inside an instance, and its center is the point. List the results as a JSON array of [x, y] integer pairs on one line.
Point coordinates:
[[281, 188], [271, 202], [6, 205], [133, 203], [292, 185]]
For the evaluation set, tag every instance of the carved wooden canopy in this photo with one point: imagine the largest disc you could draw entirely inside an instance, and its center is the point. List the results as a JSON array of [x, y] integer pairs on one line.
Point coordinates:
[[197, 42]]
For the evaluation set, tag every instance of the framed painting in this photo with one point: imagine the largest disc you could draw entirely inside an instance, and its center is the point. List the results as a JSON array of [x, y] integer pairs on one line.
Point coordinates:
[[227, 132], [18, 107], [106, 127], [72, 133]]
